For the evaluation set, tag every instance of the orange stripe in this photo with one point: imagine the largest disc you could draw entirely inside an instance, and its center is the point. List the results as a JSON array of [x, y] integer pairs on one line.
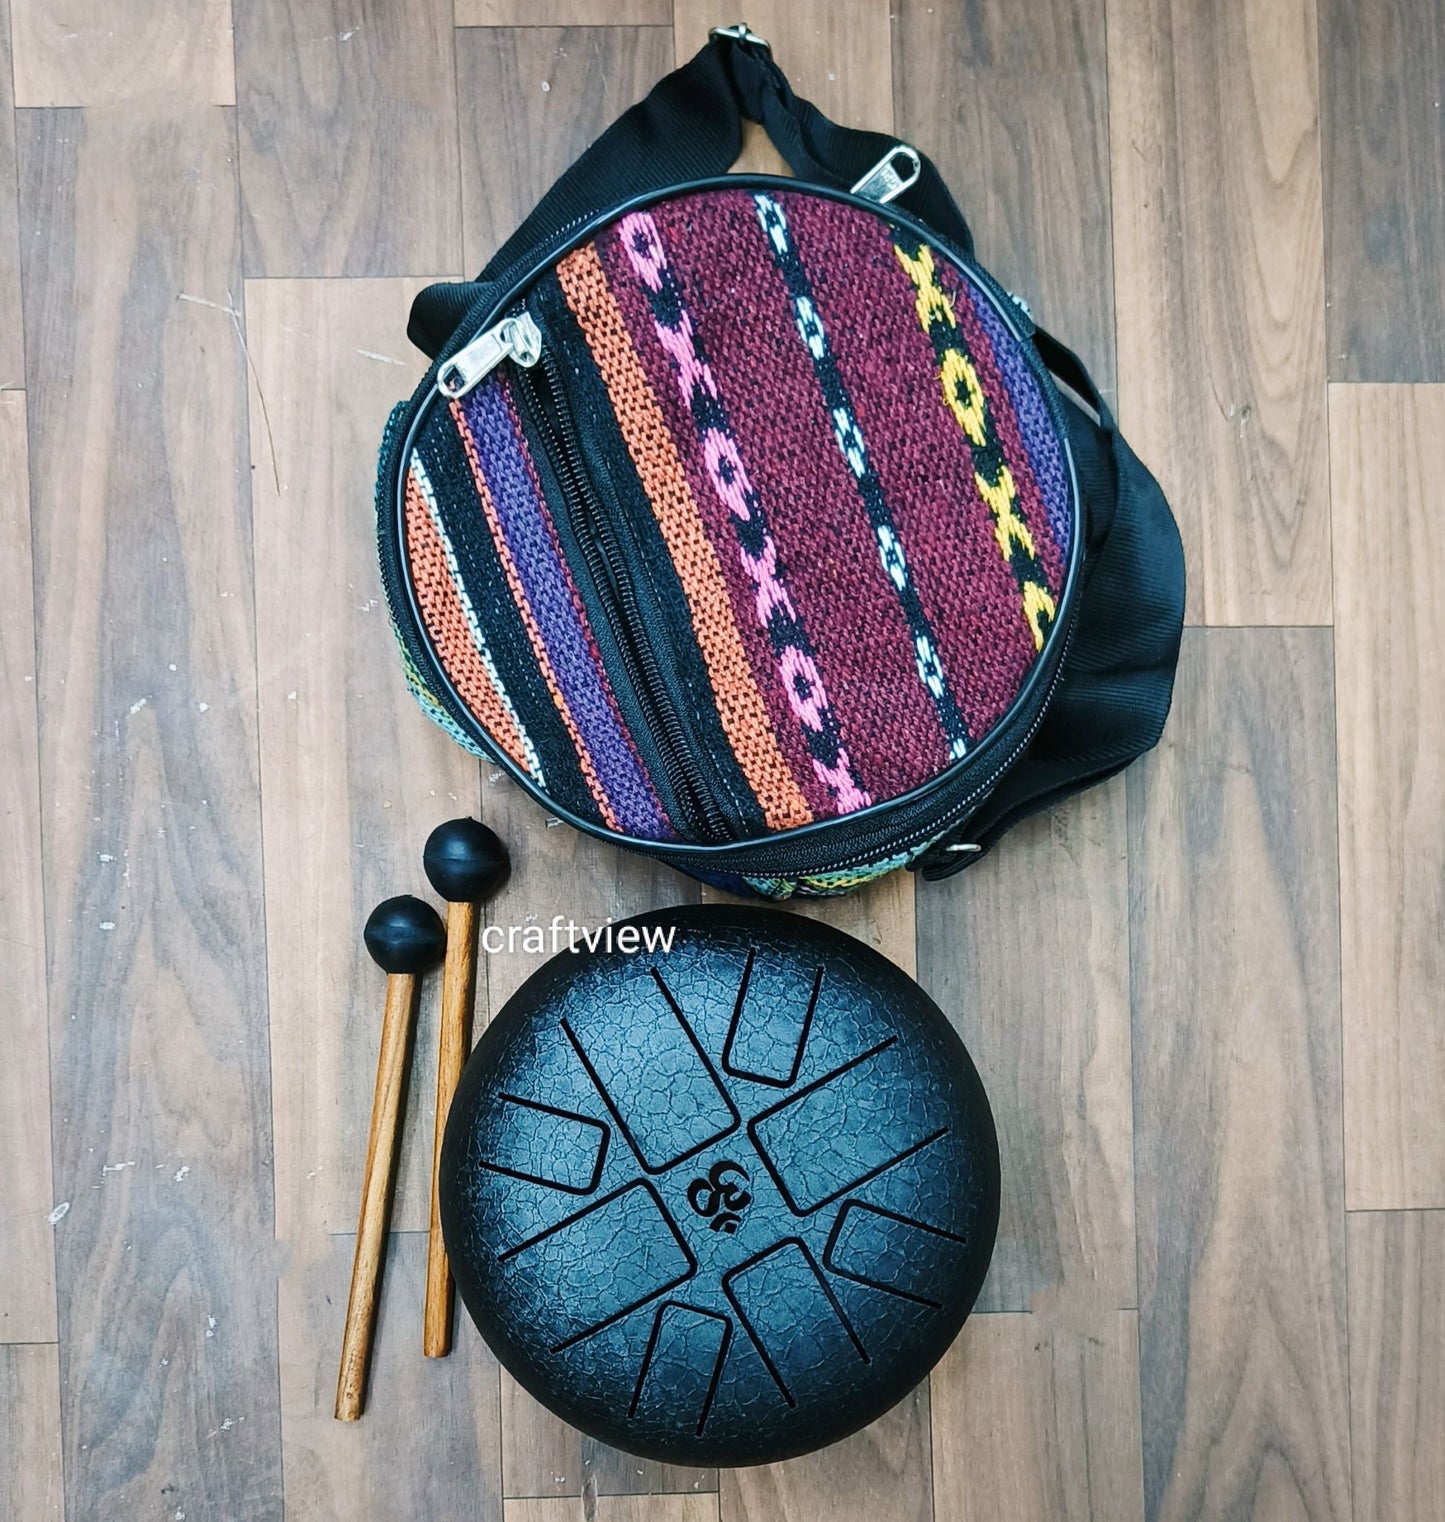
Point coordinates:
[[446, 622], [529, 621], [740, 706]]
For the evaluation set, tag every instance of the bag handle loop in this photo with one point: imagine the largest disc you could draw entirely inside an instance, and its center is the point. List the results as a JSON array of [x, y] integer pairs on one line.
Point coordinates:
[[689, 127]]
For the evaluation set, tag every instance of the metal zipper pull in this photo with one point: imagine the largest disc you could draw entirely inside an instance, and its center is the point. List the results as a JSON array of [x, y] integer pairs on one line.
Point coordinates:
[[516, 338], [883, 181]]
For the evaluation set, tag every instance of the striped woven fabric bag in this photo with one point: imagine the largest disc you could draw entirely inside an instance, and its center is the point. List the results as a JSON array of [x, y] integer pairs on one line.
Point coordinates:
[[744, 522]]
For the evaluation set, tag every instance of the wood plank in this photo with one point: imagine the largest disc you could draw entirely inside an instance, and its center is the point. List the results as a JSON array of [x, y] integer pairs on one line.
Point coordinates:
[[1038, 1421], [1235, 986], [837, 55], [150, 813], [353, 776], [1219, 274], [615, 1509], [1387, 451], [12, 349], [1011, 103], [74, 53], [539, 13], [1384, 176], [532, 99], [348, 127], [353, 780], [610, 1472], [1028, 955], [1397, 1377], [881, 1474], [428, 1443], [27, 1285], [30, 1474]]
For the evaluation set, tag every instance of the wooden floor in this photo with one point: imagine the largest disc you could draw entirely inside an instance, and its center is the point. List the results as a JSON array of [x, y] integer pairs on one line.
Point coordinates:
[[1206, 998]]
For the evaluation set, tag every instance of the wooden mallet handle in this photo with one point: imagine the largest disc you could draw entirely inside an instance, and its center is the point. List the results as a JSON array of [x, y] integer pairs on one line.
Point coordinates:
[[405, 936], [454, 1042], [465, 862]]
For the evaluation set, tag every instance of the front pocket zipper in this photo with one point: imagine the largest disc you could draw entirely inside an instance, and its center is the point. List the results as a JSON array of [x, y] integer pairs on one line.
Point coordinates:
[[597, 535], [517, 338]]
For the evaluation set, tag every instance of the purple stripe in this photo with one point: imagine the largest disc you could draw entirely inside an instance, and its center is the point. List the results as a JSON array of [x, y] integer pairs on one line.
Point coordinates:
[[528, 530], [1037, 427]]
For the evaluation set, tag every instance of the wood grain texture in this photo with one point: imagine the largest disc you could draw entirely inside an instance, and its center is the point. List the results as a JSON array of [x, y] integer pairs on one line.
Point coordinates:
[[837, 55], [12, 348], [881, 915], [150, 813], [74, 53], [542, 13], [1219, 292], [1384, 146], [615, 1509], [1011, 103], [353, 780], [428, 1444], [348, 131], [1397, 1376], [531, 100], [1235, 978], [1038, 1421], [31, 1482], [27, 1277], [1028, 954], [353, 777], [881, 1474], [1387, 450]]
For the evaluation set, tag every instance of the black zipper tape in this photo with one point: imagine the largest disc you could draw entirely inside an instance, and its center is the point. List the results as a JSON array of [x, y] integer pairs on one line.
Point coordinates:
[[596, 533]]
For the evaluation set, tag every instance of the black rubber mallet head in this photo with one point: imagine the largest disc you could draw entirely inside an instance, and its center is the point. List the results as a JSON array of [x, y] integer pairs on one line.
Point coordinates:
[[405, 937], [466, 863]]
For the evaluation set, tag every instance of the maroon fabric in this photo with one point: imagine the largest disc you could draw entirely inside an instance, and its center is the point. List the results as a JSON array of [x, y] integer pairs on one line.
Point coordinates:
[[786, 437], [920, 454], [662, 375]]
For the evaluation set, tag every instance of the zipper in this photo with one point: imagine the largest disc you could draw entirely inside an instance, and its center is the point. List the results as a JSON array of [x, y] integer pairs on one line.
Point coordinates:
[[598, 537], [517, 338], [894, 828]]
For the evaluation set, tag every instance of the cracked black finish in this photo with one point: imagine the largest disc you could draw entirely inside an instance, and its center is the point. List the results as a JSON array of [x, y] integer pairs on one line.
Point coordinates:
[[726, 1204]]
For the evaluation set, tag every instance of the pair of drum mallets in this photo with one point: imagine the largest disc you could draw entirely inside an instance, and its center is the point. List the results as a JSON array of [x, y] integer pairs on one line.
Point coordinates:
[[465, 863]]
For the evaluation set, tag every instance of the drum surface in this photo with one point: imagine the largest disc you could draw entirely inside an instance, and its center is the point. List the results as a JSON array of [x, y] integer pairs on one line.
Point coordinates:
[[726, 1202]]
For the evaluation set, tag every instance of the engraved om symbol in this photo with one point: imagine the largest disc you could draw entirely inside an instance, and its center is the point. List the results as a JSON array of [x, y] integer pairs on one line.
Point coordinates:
[[719, 1198]]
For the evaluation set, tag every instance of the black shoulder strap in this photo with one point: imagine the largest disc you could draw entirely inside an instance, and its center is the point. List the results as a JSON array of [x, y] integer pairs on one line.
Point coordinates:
[[689, 127]]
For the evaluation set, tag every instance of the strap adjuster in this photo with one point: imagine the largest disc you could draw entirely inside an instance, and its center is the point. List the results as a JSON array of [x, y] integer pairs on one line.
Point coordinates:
[[741, 32]]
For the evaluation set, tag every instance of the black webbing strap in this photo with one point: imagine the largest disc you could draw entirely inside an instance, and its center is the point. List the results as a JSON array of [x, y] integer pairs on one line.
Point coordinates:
[[689, 127]]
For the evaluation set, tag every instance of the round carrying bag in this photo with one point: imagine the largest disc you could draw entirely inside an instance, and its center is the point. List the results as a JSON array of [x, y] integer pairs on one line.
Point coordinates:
[[725, 1197], [742, 530]]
